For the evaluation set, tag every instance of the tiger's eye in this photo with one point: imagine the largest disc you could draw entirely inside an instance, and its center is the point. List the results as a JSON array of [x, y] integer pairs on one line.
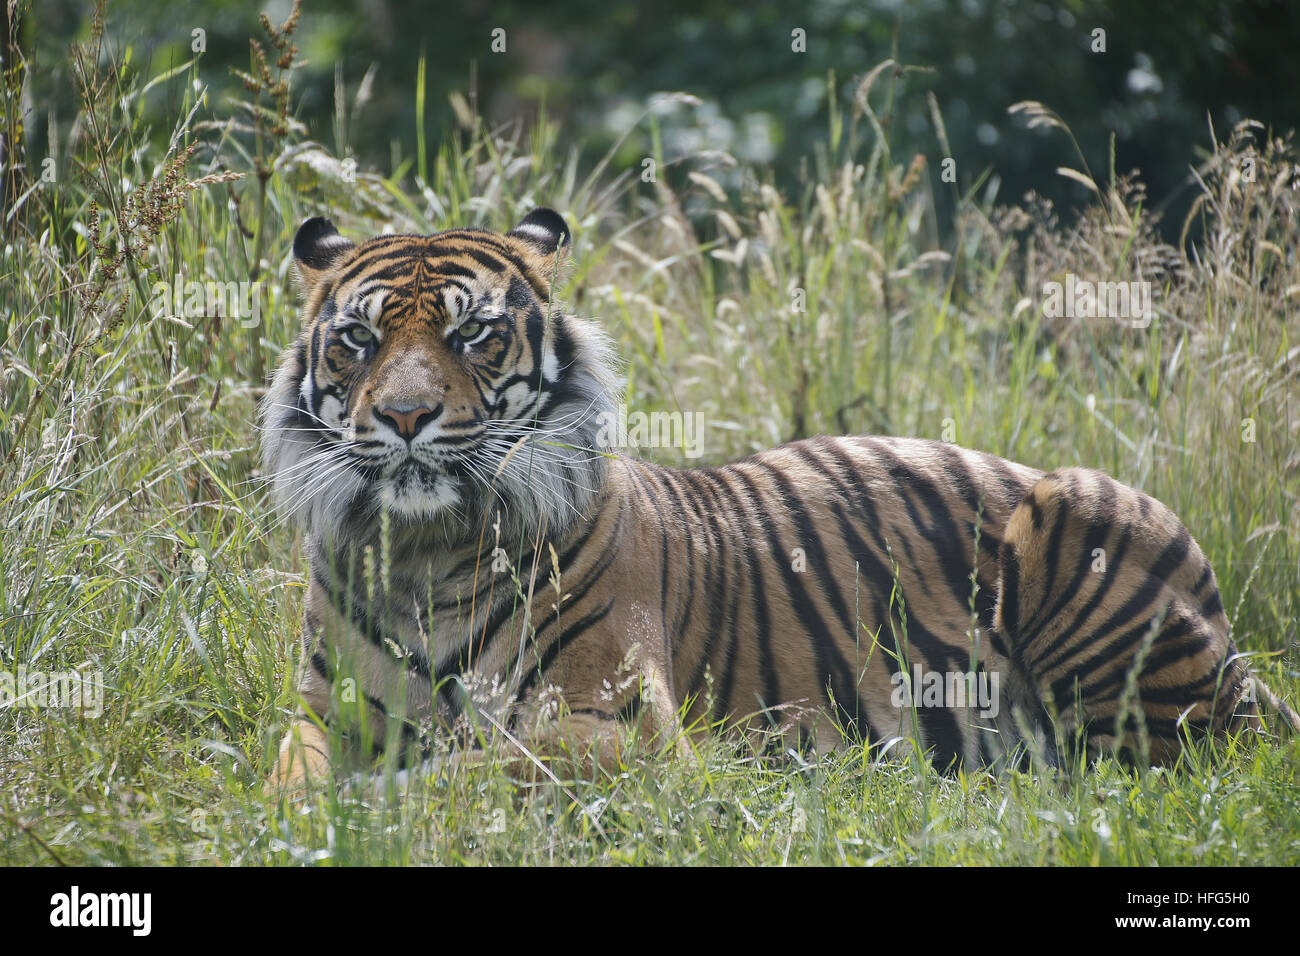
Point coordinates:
[[359, 335], [469, 330]]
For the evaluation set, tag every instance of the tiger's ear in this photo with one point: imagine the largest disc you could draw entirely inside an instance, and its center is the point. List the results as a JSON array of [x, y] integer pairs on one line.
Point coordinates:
[[543, 230], [317, 248]]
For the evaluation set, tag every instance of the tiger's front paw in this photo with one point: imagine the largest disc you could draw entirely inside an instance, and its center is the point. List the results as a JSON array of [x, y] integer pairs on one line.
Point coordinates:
[[304, 757]]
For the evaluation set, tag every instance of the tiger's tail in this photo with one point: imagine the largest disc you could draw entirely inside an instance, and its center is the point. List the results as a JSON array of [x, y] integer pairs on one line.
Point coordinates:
[[1252, 715]]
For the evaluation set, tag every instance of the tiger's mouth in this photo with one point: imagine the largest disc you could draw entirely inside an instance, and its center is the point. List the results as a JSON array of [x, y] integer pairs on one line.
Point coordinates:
[[411, 472], [417, 490]]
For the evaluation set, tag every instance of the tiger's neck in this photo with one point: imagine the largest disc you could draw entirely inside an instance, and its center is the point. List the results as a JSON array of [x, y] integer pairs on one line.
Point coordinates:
[[418, 578], [454, 617]]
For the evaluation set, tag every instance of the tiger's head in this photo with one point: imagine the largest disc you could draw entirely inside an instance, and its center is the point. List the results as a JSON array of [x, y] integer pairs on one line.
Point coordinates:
[[432, 380]]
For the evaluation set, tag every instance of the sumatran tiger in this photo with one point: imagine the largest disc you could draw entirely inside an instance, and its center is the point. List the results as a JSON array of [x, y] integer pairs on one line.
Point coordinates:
[[480, 554]]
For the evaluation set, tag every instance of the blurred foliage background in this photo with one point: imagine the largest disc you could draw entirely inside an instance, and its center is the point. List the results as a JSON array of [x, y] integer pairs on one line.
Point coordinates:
[[596, 65]]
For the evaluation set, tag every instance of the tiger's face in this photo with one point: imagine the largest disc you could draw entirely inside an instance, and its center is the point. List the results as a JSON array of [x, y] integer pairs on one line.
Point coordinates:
[[433, 381]]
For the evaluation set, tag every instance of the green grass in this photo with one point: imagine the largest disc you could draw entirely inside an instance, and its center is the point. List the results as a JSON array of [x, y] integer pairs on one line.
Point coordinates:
[[138, 543]]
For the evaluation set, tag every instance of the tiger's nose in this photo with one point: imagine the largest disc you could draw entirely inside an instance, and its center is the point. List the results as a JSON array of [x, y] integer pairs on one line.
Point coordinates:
[[407, 421]]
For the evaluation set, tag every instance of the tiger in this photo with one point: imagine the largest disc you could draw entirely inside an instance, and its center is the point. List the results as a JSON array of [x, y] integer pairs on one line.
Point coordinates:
[[482, 554]]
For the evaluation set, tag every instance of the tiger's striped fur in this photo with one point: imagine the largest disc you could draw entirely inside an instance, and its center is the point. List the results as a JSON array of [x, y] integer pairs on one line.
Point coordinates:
[[476, 551]]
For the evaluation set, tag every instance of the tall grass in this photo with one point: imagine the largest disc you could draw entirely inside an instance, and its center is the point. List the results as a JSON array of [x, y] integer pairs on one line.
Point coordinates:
[[136, 537]]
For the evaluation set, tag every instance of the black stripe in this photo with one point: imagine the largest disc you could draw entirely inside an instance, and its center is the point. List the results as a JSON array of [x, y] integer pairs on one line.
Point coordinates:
[[1045, 659], [768, 671], [1010, 594], [1176, 641], [1096, 537], [689, 519], [830, 663], [1212, 605], [715, 579], [940, 531], [1157, 575], [320, 664], [937, 724], [567, 637], [489, 262], [1207, 573], [357, 612], [879, 574], [722, 704], [751, 570], [598, 714]]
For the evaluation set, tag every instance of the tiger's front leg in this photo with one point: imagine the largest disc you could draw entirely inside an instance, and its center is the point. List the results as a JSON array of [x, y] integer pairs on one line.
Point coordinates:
[[304, 754], [303, 758], [592, 732], [578, 735], [552, 742]]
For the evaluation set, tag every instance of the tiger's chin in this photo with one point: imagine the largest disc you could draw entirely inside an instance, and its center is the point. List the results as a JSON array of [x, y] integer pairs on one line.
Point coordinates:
[[415, 493]]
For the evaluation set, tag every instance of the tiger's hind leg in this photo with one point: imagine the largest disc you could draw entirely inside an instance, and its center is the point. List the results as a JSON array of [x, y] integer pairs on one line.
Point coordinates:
[[1112, 613]]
